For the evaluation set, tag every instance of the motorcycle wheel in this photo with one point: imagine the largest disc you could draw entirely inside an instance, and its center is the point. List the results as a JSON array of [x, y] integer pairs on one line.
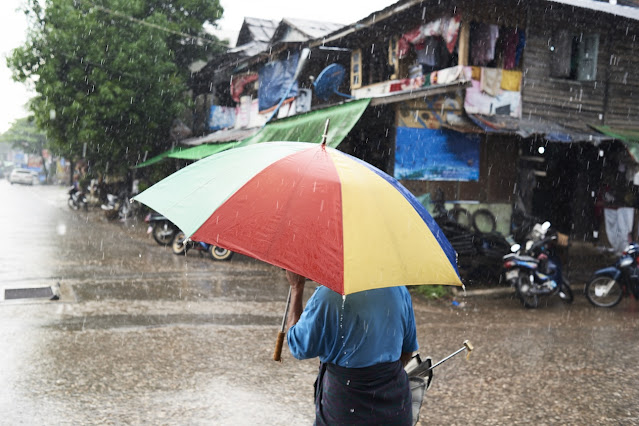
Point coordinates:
[[612, 298], [178, 245], [484, 221], [461, 216], [219, 253], [163, 234], [565, 293], [72, 204], [530, 301]]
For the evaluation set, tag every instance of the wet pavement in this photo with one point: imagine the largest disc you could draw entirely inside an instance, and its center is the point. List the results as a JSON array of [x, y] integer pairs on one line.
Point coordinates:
[[141, 336]]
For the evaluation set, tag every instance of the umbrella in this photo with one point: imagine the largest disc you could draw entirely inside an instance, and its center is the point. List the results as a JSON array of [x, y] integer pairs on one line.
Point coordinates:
[[310, 209]]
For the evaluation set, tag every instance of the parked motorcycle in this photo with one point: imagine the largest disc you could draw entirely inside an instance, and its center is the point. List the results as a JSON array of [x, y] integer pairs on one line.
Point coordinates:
[[77, 199], [119, 206], [181, 246], [608, 285], [162, 229], [535, 270]]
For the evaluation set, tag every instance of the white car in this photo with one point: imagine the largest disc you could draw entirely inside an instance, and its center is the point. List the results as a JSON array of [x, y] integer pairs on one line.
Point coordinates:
[[24, 176]]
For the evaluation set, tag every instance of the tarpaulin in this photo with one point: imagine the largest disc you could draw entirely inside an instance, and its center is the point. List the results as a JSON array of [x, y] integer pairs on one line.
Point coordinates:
[[221, 117], [309, 127], [436, 154], [158, 158], [201, 151], [275, 78], [630, 138]]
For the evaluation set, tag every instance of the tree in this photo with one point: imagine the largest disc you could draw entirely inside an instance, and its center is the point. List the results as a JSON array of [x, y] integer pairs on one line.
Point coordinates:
[[23, 135], [111, 74]]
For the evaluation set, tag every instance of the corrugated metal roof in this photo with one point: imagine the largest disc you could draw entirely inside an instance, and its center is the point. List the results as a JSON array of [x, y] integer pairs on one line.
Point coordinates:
[[313, 29], [600, 6], [251, 48], [534, 126], [256, 29]]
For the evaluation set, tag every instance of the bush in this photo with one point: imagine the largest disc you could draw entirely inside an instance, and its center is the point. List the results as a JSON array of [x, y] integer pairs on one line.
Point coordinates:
[[432, 291]]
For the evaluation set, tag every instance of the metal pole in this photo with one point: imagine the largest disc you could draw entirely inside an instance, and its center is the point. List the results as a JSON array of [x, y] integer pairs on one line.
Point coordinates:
[[467, 346], [277, 355]]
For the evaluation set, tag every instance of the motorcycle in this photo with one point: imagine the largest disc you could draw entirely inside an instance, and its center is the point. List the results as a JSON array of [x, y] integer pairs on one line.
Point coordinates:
[[181, 245], [162, 229], [119, 206], [77, 199], [608, 285], [535, 270]]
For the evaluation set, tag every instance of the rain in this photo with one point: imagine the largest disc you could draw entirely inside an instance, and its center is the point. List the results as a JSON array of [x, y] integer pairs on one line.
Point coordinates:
[[160, 169]]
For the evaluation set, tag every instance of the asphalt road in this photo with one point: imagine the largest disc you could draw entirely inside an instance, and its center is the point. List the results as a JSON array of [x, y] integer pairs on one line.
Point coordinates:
[[141, 336]]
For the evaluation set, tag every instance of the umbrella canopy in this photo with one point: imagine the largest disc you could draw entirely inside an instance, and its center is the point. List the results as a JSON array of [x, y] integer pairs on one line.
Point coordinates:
[[310, 209]]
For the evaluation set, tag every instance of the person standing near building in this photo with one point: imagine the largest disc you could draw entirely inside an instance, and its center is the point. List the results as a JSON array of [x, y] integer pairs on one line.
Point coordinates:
[[363, 342]]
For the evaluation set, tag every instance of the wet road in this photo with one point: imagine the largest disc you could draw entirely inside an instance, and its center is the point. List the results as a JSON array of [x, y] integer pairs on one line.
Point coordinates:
[[140, 336]]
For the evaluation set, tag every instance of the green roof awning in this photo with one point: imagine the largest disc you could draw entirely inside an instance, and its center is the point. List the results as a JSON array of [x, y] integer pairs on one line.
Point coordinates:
[[630, 138], [309, 127], [201, 151], [158, 157]]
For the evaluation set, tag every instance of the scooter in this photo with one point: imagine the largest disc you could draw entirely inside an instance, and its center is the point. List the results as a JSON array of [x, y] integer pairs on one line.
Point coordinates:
[[162, 229], [119, 206], [181, 245], [420, 375], [77, 199], [535, 270], [608, 285]]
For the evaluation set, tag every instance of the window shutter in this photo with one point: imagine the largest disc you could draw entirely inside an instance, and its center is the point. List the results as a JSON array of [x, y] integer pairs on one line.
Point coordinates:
[[587, 53], [356, 69]]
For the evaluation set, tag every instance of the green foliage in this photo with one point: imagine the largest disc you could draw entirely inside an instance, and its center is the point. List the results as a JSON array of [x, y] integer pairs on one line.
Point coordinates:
[[111, 74], [432, 291], [25, 136]]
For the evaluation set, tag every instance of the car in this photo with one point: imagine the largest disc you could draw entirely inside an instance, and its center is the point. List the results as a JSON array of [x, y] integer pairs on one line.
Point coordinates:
[[25, 176]]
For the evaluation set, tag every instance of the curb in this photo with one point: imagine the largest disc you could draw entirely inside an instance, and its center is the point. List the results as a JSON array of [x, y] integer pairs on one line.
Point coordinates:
[[500, 292], [484, 292]]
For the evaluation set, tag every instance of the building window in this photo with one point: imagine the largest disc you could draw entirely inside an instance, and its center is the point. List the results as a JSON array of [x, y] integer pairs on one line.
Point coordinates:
[[356, 69], [393, 57], [574, 56]]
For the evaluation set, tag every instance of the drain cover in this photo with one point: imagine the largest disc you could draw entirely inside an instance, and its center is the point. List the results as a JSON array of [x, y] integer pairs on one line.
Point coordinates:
[[28, 293]]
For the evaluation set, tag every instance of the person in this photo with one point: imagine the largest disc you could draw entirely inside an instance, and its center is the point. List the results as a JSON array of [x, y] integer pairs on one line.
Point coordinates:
[[363, 342]]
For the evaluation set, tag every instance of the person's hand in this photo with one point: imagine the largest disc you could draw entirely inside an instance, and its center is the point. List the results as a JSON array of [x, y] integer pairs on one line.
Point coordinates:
[[295, 280], [297, 291]]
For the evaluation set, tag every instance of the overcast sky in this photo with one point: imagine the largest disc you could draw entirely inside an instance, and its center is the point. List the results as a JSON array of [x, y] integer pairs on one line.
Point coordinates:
[[13, 96]]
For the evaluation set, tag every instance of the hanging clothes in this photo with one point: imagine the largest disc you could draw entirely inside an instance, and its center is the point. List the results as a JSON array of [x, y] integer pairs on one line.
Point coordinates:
[[491, 81], [619, 224], [483, 39], [510, 39], [446, 28], [428, 52], [511, 80], [521, 43]]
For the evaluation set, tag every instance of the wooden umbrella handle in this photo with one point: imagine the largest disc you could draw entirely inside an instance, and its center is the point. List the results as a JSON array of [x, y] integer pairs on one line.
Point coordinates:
[[277, 355]]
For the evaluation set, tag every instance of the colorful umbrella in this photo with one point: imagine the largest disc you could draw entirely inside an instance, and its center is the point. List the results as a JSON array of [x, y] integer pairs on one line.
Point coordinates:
[[310, 209]]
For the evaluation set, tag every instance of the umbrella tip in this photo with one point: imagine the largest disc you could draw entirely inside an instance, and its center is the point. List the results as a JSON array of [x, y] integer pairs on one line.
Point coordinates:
[[325, 135]]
